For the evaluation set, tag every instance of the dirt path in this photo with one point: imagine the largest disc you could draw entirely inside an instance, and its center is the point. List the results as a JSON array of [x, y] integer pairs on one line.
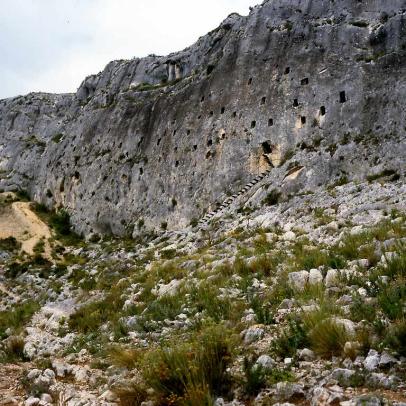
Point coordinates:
[[10, 391], [20, 222]]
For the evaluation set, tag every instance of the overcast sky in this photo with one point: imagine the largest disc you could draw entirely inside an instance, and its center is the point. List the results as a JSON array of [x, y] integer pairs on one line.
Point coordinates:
[[52, 45]]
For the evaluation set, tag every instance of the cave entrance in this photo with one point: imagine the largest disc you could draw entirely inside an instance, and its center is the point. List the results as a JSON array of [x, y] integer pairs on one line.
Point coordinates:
[[267, 155], [267, 147]]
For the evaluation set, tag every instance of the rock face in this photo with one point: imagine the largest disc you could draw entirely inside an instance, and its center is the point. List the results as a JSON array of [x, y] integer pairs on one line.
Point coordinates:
[[313, 90]]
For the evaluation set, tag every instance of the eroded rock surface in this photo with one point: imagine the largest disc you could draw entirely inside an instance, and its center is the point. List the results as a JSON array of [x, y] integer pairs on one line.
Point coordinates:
[[311, 90]]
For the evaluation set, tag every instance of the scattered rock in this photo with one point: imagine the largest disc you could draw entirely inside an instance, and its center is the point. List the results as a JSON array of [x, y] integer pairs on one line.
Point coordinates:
[[371, 362], [253, 334], [298, 280]]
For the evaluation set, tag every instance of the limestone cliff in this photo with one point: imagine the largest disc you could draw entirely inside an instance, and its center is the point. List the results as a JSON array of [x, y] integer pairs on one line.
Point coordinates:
[[297, 83]]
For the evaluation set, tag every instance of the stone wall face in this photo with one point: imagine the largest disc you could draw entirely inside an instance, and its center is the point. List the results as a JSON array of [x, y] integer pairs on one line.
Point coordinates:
[[311, 83]]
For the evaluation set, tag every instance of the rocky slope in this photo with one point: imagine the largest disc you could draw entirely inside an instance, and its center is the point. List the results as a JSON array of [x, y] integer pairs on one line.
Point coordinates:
[[276, 302], [159, 141]]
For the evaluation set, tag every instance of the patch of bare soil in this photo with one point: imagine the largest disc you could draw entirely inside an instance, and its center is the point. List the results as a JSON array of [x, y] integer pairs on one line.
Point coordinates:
[[11, 392], [19, 221]]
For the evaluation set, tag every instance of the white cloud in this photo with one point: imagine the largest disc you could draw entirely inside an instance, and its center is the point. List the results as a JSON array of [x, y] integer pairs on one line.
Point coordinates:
[[50, 46]]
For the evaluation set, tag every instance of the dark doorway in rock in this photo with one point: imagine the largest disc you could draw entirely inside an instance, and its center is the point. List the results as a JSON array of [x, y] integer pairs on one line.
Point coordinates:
[[303, 120], [263, 100], [223, 109], [304, 81], [250, 81], [322, 111], [343, 97], [295, 103], [253, 124], [141, 171], [266, 147], [287, 70], [270, 122]]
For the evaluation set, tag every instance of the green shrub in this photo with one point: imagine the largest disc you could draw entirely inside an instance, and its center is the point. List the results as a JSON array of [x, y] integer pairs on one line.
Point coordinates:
[[291, 338], [91, 316], [165, 307], [280, 290], [39, 208], [39, 247], [169, 253], [15, 269], [255, 377], [326, 336], [131, 394], [12, 350], [392, 299], [57, 138], [383, 174], [17, 317], [306, 258], [190, 373], [9, 244], [22, 195], [262, 312], [124, 357], [396, 265], [272, 198], [361, 310], [396, 338], [205, 298], [60, 222]]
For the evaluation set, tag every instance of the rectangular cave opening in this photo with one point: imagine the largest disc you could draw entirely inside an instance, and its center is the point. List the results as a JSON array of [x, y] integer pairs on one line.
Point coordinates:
[[304, 81], [263, 100], [270, 122], [303, 120], [343, 97], [253, 124], [266, 147], [322, 111], [295, 103], [287, 70], [223, 109]]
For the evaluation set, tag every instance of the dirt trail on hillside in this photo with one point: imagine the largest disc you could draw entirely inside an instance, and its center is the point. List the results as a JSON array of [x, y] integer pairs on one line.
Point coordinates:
[[11, 392], [20, 222]]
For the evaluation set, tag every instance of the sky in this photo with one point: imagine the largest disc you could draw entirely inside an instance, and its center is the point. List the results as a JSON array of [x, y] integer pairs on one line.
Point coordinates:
[[52, 45]]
